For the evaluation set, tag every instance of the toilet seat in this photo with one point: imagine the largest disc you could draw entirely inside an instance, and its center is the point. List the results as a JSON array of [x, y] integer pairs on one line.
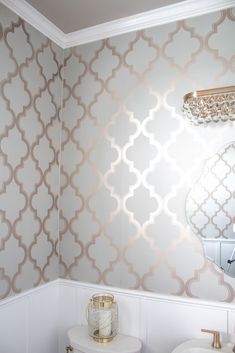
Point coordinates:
[[83, 343]]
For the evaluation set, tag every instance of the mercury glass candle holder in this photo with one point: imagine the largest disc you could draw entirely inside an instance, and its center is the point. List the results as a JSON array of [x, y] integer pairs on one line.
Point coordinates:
[[102, 317]]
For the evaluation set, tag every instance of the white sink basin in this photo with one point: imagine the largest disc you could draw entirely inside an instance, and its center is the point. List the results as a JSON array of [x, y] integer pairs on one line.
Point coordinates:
[[201, 346]]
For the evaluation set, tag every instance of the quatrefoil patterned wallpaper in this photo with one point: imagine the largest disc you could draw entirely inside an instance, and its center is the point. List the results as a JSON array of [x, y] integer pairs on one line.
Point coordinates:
[[128, 159], [30, 102]]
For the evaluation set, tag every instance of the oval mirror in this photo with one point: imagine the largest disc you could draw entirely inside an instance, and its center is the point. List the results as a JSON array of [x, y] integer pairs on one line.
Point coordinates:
[[210, 209]]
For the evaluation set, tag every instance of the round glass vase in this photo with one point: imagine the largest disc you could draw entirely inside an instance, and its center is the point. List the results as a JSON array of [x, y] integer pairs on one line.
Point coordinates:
[[102, 317]]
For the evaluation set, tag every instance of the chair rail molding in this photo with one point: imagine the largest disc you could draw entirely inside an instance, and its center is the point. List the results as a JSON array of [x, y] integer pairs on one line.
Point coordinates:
[[166, 14], [29, 292], [145, 295]]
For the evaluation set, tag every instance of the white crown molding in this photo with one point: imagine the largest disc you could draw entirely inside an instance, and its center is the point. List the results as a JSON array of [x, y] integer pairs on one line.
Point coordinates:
[[160, 16], [36, 19]]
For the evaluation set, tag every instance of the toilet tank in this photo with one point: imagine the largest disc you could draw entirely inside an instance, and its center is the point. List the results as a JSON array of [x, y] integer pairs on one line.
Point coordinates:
[[81, 342]]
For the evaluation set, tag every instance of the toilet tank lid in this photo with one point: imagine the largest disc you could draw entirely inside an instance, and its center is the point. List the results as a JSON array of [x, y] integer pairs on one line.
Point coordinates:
[[80, 340]]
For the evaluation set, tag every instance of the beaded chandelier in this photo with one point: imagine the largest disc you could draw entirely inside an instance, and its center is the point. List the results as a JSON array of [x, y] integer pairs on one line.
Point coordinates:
[[212, 105]]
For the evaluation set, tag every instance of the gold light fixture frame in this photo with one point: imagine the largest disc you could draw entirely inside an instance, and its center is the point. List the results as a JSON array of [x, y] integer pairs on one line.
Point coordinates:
[[210, 105]]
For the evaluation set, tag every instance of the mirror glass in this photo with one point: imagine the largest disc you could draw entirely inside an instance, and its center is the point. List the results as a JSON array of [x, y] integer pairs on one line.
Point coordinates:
[[210, 209]]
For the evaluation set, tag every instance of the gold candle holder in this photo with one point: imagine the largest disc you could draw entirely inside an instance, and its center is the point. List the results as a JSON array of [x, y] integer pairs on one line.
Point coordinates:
[[102, 317]]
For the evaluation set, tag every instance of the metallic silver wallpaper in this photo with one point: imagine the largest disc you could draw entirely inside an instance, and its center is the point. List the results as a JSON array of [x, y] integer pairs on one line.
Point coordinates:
[[129, 159], [30, 102]]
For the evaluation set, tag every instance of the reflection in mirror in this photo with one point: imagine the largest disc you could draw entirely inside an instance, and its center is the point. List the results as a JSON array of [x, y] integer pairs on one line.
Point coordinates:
[[210, 209]]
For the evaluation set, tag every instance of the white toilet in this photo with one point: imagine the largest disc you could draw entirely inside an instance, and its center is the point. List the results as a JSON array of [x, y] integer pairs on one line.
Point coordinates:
[[81, 342]]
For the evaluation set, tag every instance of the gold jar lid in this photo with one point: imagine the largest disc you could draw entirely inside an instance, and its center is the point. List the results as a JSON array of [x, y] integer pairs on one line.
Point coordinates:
[[103, 300]]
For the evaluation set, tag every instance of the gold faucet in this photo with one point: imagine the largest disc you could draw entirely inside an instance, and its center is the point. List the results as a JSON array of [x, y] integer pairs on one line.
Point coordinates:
[[216, 338]]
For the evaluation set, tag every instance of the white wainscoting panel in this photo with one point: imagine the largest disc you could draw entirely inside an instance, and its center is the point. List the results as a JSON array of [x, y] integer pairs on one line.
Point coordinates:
[[170, 324], [231, 323], [37, 321], [43, 316], [160, 321], [14, 326], [28, 322], [69, 313]]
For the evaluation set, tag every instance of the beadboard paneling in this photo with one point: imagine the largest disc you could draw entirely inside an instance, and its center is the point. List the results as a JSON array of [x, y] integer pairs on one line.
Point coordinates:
[[160, 321]]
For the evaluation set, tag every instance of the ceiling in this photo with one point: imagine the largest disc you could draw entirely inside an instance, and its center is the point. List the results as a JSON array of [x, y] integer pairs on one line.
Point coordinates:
[[74, 15]]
